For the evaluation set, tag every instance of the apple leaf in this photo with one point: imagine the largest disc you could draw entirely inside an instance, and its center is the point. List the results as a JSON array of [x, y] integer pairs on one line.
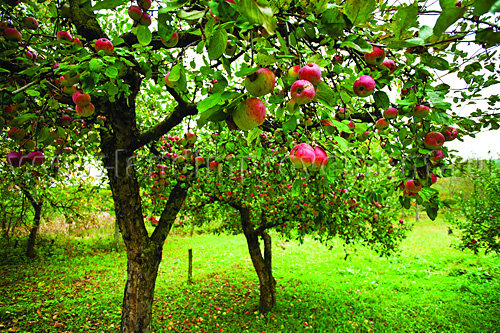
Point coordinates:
[[253, 134], [171, 5], [258, 13], [108, 4], [483, 6], [290, 124], [405, 18], [111, 72], [95, 65], [449, 15], [382, 100], [190, 16], [435, 62], [324, 94], [144, 36], [496, 7], [488, 36], [357, 43], [217, 44], [360, 11], [297, 184], [209, 102]]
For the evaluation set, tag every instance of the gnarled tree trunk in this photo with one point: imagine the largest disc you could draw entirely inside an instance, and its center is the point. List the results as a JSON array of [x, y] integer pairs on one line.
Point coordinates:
[[261, 263]]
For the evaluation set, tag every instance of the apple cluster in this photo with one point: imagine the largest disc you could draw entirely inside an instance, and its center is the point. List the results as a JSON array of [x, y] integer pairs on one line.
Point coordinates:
[[303, 156], [17, 159], [305, 79], [139, 13]]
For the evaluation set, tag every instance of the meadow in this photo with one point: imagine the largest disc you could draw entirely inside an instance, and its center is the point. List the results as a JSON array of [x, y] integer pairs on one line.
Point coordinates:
[[76, 285]]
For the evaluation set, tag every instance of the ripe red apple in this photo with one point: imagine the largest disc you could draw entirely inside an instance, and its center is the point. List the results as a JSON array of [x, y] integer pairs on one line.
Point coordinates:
[[80, 98], [12, 34], [293, 73], [172, 41], [31, 55], [14, 158], [250, 114], [381, 124], [77, 42], [30, 22], [375, 57], [434, 140], [436, 156], [260, 83], [198, 160], [145, 19], [64, 35], [421, 111], [144, 4], [190, 137], [310, 72], [85, 111], [36, 158], [135, 13], [413, 186], [66, 120], [302, 156], [449, 133], [320, 159], [390, 113], [213, 165], [364, 86], [390, 64], [105, 45], [433, 178], [302, 91]]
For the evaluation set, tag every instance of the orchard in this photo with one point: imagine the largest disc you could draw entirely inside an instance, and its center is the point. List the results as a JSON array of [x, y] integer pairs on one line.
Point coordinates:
[[301, 118]]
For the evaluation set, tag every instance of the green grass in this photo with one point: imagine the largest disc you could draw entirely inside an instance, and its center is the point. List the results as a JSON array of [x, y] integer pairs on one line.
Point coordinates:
[[428, 287]]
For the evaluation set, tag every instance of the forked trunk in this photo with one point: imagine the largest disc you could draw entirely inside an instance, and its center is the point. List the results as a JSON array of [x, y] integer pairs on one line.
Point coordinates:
[[262, 264]]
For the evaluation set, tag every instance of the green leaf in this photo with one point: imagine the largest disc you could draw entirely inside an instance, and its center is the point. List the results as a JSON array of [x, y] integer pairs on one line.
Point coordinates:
[[190, 16], [258, 13], [246, 71], [381, 100], [297, 185], [416, 41], [449, 15], [405, 18], [210, 102], [357, 43], [290, 124], [496, 7], [32, 93], [343, 144], [111, 72], [488, 36], [435, 62], [360, 11], [253, 135], [483, 6], [217, 44], [324, 93], [144, 36], [171, 5], [432, 211], [95, 65], [425, 32], [24, 118], [108, 4]]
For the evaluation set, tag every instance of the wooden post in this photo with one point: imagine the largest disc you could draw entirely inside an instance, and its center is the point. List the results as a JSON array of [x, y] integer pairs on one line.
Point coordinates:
[[190, 266]]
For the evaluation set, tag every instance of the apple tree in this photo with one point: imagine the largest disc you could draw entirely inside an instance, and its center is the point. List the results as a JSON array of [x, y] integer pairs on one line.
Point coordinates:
[[131, 73]]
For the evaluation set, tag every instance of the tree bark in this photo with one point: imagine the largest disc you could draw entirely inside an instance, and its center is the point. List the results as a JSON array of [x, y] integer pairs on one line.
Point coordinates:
[[262, 264], [37, 207]]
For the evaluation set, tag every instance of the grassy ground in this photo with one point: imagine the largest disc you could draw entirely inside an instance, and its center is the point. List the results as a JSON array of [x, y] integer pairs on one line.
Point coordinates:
[[76, 286]]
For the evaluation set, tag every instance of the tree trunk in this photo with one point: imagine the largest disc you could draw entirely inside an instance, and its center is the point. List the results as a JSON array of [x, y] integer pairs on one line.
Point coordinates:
[[262, 264], [37, 207]]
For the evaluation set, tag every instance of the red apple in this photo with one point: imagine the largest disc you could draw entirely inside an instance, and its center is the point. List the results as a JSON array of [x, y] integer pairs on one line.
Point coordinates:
[[171, 84], [190, 137], [293, 73], [64, 35], [421, 111], [105, 45], [381, 124], [342, 114], [135, 13], [364, 86], [66, 120], [85, 111], [320, 159], [310, 72], [77, 42], [145, 19], [144, 4], [30, 22], [433, 178], [390, 113], [14, 158], [80, 98], [413, 186], [172, 41], [436, 156], [302, 91], [12, 34], [390, 64], [198, 160], [449, 133], [260, 83], [214, 165], [36, 158], [302, 156], [375, 57], [250, 114], [434, 140]]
